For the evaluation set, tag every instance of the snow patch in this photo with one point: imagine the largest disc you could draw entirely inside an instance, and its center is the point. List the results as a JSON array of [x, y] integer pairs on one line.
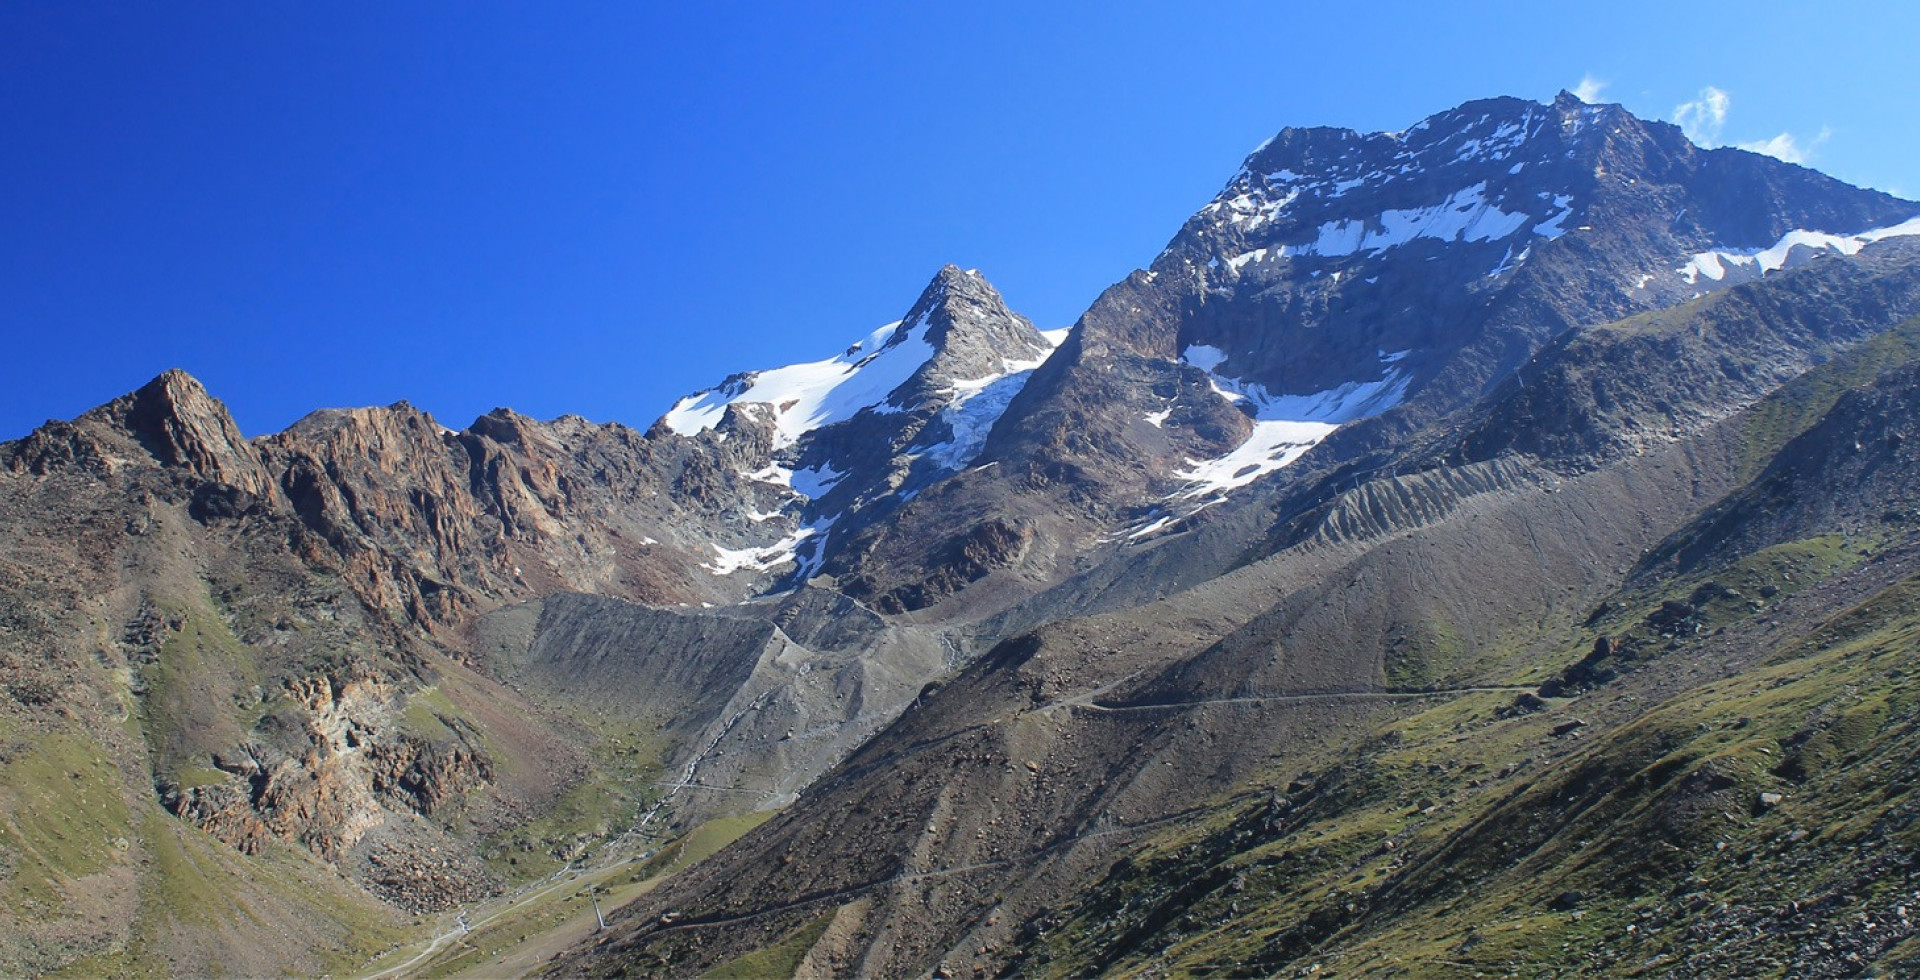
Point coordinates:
[[730, 560], [814, 481], [1551, 228], [1272, 444], [1465, 215], [1253, 206], [1718, 264], [1203, 356], [809, 564], [975, 405], [1506, 263], [773, 473], [805, 397], [1240, 261], [971, 415], [1285, 426], [1158, 522]]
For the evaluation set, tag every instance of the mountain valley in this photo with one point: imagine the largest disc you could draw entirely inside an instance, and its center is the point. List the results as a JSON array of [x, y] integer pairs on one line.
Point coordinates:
[[1487, 548]]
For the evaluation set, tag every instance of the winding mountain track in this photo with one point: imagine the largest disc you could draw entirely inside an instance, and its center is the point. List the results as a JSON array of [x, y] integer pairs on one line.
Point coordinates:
[[1087, 702], [910, 877]]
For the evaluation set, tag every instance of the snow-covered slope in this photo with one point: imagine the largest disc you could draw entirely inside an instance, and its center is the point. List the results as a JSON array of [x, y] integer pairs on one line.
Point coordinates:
[[805, 397], [1284, 426], [870, 376], [975, 404]]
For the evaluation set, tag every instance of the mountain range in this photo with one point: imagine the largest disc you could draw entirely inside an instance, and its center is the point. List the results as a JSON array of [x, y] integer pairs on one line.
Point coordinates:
[[1483, 548]]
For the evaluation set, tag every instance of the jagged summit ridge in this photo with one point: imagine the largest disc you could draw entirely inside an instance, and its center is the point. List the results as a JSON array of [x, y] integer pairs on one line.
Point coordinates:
[[181, 424], [1452, 212], [1497, 173], [975, 337], [171, 420], [1304, 175]]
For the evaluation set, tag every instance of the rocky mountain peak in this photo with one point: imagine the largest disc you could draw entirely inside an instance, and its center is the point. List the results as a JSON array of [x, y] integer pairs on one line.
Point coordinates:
[[958, 332], [854, 436], [502, 425], [972, 332], [1458, 176], [958, 337], [182, 426]]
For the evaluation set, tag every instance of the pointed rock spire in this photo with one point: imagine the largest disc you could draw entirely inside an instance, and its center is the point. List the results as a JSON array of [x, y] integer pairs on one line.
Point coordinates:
[[973, 333], [182, 426]]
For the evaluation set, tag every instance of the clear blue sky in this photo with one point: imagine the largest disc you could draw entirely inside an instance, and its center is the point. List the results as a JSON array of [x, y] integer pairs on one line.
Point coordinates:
[[596, 208]]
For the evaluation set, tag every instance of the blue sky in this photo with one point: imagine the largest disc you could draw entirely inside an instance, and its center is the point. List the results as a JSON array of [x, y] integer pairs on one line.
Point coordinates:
[[597, 208]]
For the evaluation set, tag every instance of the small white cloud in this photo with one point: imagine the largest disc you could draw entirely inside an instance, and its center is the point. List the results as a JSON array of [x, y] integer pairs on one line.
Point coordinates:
[[1705, 117], [1702, 118], [1785, 147], [1589, 89]]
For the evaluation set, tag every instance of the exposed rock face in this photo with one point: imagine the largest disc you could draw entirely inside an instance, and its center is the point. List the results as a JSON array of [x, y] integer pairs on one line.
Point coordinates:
[[307, 788], [427, 523], [175, 419], [171, 421], [327, 769], [1593, 395]]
